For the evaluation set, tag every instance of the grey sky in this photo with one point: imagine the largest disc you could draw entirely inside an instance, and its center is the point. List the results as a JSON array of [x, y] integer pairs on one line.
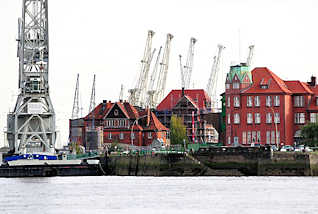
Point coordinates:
[[108, 38]]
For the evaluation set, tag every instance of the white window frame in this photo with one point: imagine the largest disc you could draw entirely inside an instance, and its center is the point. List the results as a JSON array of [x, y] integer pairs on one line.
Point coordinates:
[[149, 135], [227, 85], [316, 100], [313, 117], [236, 101], [276, 117], [229, 140], [249, 118], [273, 138], [257, 101], [132, 136], [249, 137], [258, 137], [228, 101], [299, 101], [249, 101], [228, 118], [244, 137], [278, 137], [268, 137], [257, 118], [268, 101], [253, 136], [121, 136], [268, 117], [236, 85], [277, 100], [236, 118], [109, 135], [299, 118]]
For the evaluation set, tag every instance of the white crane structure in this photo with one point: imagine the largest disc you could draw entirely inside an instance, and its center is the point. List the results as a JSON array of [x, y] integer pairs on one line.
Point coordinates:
[[186, 70], [92, 102], [137, 94], [154, 75], [163, 73], [250, 55], [31, 126], [76, 104], [211, 87]]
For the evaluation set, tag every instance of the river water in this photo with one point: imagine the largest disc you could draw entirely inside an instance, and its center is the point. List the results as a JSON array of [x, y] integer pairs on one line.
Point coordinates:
[[257, 195]]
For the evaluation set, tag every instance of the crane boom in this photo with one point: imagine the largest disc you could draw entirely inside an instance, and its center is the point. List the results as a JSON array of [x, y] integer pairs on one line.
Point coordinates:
[[163, 73], [92, 103], [186, 70], [250, 55], [135, 93], [76, 107], [212, 83]]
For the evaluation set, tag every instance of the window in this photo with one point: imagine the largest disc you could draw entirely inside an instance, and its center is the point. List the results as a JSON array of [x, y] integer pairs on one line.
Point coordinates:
[[257, 118], [278, 137], [121, 135], [276, 118], [249, 118], [249, 137], [149, 135], [228, 118], [273, 137], [227, 86], [299, 118], [228, 101], [268, 118], [276, 101], [229, 140], [236, 85], [236, 118], [253, 136], [268, 137], [317, 101], [236, 140], [109, 135], [258, 137], [264, 86], [257, 101], [269, 101], [244, 137], [249, 101], [313, 117], [299, 101], [236, 101]]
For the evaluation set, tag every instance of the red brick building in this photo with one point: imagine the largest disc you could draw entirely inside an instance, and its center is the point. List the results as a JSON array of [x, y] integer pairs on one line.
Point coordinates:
[[122, 123], [193, 106], [261, 108]]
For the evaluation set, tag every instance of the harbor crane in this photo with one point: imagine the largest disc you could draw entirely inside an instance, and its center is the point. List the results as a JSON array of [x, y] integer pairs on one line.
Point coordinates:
[[186, 70], [31, 126], [154, 75], [76, 105], [163, 73], [138, 93], [250, 55], [92, 103], [213, 79]]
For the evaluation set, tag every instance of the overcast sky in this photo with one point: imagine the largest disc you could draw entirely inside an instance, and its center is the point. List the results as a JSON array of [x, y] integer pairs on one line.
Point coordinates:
[[107, 38]]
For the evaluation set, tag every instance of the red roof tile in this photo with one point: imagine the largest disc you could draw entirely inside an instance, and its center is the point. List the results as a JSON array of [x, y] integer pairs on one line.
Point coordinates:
[[263, 76], [298, 87], [173, 97]]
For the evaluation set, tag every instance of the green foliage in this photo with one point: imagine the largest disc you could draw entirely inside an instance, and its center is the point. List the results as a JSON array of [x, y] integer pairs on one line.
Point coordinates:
[[178, 131], [309, 133]]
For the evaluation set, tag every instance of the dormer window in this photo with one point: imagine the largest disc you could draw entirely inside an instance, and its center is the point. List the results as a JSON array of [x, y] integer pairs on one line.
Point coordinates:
[[264, 86]]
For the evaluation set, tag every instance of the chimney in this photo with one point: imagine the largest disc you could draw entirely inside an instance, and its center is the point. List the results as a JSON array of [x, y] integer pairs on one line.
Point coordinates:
[[182, 91], [313, 81]]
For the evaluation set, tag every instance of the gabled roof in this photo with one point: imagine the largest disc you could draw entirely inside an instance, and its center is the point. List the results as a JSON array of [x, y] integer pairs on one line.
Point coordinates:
[[188, 99], [265, 76], [297, 87], [195, 94], [155, 124], [121, 107], [99, 111]]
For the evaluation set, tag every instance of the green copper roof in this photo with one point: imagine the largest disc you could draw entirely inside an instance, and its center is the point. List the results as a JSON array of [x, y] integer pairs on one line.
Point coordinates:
[[241, 71]]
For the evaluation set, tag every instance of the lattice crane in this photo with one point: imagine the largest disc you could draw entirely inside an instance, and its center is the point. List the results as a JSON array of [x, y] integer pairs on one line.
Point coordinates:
[[31, 126], [186, 70], [136, 94], [92, 102], [213, 79], [154, 76], [76, 105], [250, 55], [163, 73]]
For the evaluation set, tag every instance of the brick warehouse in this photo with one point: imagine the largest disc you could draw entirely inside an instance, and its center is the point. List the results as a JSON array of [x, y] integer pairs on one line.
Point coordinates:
[[261, 108], [120, 122]]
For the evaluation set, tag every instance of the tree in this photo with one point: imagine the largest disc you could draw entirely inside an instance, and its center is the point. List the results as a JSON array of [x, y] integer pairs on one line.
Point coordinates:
[[309, 132], [178, 131]]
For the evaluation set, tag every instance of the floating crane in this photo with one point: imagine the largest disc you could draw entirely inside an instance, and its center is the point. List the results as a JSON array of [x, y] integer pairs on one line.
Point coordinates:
[[213, 79], [137, 94], [250, 55], [76, 106], [163, 73], [31, 126], [186, 70]]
